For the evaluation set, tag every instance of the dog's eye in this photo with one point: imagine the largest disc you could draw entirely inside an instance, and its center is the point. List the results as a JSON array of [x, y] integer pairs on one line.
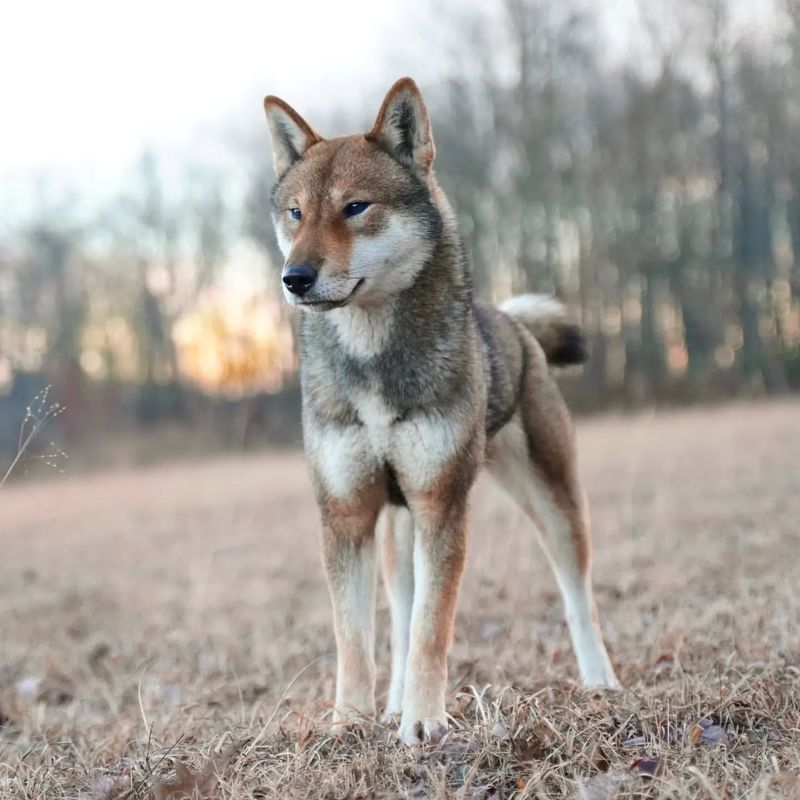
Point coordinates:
[[295, 214], [354, 209]]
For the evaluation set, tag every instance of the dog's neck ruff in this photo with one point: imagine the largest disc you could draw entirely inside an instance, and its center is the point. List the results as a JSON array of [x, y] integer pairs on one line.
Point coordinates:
[[363, 332]]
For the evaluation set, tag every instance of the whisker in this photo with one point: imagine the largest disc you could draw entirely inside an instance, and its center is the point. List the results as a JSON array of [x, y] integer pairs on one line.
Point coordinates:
[[357, 276]]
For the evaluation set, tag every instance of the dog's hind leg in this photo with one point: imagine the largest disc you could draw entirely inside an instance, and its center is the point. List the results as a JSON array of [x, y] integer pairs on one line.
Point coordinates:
[[533, 458], [396, 541]]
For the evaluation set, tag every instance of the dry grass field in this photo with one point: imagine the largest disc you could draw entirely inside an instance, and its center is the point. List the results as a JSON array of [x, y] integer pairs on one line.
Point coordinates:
[[168, 629]]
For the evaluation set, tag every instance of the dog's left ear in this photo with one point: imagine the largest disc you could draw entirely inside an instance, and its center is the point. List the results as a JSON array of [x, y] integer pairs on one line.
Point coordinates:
[[403, 127], [291, 135]]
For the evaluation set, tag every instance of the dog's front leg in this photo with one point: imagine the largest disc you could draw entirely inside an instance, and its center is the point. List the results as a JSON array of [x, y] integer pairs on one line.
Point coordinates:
[[349, 557], [439, 554], [396, 541]]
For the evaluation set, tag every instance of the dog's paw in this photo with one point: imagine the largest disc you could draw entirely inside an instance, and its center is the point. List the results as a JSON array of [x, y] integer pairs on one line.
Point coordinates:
[[418, 731], [341, 726], [350, 719], [355, 730], [389, 715]]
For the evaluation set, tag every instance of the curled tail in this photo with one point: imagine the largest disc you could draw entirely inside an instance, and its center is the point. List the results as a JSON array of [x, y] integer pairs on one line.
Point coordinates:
[[546, 318]]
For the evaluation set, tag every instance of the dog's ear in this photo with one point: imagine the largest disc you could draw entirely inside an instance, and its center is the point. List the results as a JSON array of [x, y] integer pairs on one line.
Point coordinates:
[[291, 135], [403, 127]]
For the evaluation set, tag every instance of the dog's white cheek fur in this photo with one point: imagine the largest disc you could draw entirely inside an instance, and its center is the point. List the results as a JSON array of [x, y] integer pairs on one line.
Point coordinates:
[[390, 260]]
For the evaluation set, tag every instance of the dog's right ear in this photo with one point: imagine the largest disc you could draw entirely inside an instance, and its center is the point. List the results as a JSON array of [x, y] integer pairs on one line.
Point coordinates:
[[291, 135], [403, 128]]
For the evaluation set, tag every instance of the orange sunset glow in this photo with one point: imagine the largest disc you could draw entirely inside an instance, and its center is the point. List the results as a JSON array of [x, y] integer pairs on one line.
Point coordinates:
[[235, 346]]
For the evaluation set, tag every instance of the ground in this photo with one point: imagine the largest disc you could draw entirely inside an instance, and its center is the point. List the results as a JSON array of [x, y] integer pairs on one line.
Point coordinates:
[[177, 615]]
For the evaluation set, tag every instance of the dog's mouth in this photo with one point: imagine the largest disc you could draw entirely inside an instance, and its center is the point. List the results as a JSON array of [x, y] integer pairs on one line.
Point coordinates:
[[328, 305]]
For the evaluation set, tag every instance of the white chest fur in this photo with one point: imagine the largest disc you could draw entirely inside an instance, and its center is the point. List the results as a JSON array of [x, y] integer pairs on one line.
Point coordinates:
[[363, 332], [378, 420], [418, 448]]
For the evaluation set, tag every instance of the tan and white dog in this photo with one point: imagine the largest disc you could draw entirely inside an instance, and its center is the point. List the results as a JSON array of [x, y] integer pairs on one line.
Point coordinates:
[[410, 385]]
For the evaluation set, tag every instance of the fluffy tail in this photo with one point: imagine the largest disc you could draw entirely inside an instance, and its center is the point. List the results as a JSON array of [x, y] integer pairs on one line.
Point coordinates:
[[546, 318]]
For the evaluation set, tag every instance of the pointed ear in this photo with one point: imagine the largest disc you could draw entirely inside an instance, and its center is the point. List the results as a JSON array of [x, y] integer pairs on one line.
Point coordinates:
[[291, 135], [403, 127]]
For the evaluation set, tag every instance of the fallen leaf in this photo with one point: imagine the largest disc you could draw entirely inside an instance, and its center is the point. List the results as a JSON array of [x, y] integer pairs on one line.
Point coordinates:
[[634, 741], [695, 733], [531, 749], [189, 785], [708, 733], [713, 736], [652, 767]]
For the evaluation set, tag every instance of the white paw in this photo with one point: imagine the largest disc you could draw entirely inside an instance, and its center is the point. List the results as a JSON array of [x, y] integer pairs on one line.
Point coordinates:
[[390, 714], [394, 704], [339, 727], [417, 731], [349, 717]]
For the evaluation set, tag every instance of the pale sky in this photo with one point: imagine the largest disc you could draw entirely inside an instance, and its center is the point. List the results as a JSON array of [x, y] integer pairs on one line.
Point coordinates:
[[92, 80], [86, 84]]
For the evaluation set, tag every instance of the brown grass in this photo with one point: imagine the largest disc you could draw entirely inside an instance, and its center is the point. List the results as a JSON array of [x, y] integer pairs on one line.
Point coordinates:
[[155, 618]]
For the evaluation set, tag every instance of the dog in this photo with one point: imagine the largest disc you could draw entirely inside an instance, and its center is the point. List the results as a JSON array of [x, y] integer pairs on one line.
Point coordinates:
[[410, 385]]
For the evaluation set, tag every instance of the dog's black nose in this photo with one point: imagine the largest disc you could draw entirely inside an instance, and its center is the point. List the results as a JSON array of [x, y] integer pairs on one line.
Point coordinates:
[[299, 279]]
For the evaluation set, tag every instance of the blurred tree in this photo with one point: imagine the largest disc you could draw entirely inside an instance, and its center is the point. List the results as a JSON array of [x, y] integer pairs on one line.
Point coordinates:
[[176, 245], [659, 196]]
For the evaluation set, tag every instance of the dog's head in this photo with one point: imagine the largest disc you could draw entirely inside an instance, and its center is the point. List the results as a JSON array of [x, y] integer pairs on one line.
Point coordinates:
[[355, 216]]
